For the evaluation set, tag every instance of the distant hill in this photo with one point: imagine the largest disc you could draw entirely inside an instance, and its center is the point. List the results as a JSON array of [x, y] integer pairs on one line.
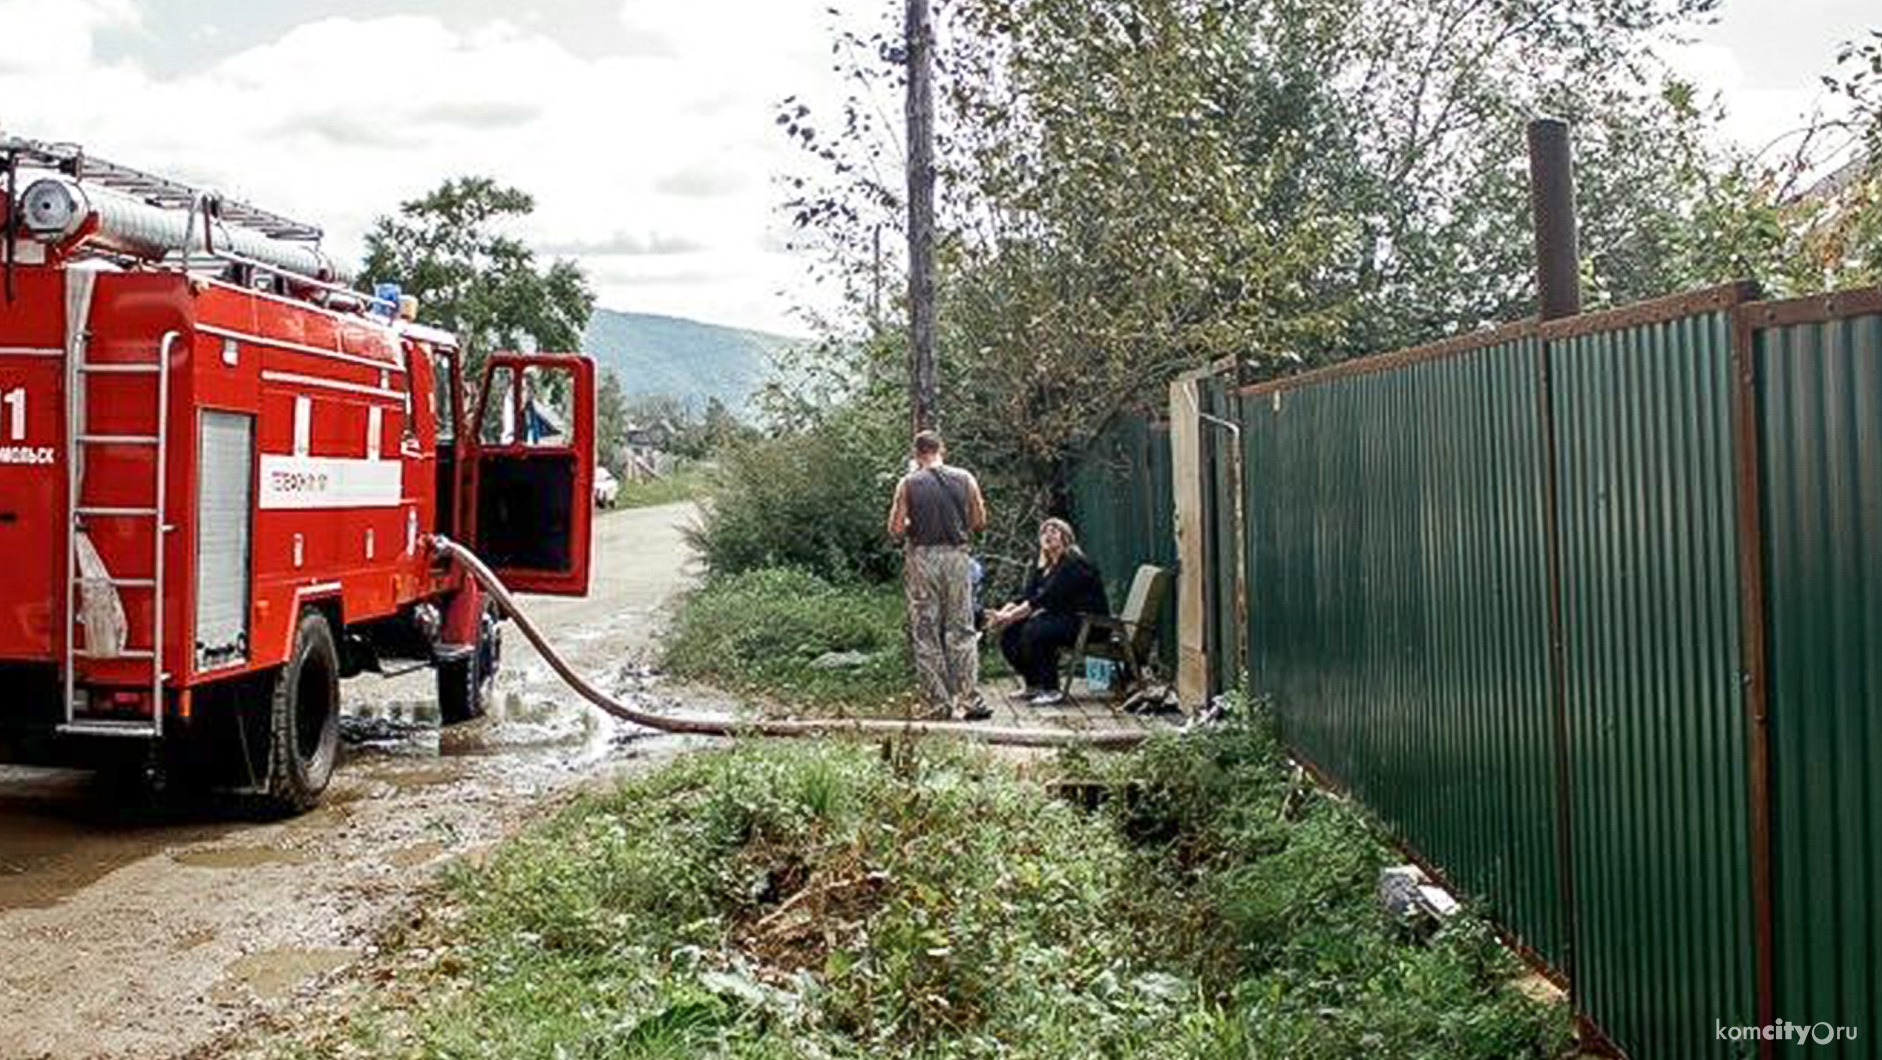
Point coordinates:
[[690, 360]]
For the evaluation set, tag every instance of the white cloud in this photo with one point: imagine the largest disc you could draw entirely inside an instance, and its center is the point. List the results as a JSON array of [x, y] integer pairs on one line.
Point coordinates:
[[1765, 59], [627, 244], [1754, 116], [55, 35], [665, 142], [662, 153]]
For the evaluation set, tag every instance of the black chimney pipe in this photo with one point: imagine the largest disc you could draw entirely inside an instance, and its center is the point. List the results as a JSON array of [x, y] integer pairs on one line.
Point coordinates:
[[1552, 203]]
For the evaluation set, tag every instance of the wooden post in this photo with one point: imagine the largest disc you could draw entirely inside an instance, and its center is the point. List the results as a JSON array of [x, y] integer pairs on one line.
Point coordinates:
[[875, 276], [919, 39], [1192, 585]]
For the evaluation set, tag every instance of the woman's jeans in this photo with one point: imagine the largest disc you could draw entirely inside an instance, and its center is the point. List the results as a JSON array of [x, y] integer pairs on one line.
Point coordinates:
[[1032, 647]]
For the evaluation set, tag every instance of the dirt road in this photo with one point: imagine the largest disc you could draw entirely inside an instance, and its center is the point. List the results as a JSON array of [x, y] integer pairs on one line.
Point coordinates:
[[145, 931]]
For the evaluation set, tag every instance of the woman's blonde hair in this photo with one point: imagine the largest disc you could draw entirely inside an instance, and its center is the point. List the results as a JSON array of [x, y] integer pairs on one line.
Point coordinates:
[[1066, 534]]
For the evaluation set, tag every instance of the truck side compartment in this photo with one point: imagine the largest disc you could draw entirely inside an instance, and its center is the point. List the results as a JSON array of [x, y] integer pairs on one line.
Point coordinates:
[[32, 467]]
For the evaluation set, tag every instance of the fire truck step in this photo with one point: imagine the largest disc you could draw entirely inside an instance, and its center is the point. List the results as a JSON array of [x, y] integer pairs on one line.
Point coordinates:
[[120, 369], [119, 439], [132, 654], [108, 727], [118, 513]]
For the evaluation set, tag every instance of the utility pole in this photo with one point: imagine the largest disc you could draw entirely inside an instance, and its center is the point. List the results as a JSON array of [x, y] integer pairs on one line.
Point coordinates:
[[918, 35], [875, 275]]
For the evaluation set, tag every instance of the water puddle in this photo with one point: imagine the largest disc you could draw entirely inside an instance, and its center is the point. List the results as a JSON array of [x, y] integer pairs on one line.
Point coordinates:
[[272, 974], [240, 858], [415, 855], [389, 729], [62, 830], [405, 776]]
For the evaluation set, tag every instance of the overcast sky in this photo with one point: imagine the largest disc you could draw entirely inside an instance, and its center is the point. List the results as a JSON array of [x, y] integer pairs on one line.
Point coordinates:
[[643, 127], [1767, 58]]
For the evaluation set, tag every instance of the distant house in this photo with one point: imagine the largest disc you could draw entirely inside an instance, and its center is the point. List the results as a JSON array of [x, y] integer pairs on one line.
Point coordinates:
[[646, 449], [656, 434]]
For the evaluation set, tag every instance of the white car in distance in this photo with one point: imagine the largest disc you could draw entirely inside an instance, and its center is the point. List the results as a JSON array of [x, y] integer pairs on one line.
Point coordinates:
[[607, 488]]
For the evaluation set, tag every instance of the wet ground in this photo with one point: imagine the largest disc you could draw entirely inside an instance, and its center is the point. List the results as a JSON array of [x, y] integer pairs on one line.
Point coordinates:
[[136, 930]]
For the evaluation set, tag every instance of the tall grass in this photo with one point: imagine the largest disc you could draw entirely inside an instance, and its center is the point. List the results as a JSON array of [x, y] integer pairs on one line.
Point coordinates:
[[762, 630], [687, 481], [924, 902]]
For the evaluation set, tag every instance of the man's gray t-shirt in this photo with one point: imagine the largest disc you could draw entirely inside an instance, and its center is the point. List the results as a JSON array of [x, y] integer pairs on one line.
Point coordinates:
[[937, 500]]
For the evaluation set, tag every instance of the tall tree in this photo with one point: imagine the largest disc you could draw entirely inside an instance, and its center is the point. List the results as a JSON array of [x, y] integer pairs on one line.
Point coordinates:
[[449, 249], [1133, 188], [611, 419]]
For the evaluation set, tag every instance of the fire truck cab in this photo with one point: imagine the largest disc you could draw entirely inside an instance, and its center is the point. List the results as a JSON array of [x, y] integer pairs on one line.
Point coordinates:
[[221, 470]]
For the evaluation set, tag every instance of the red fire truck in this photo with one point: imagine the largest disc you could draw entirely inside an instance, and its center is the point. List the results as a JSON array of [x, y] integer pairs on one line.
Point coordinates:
[[221, 470]]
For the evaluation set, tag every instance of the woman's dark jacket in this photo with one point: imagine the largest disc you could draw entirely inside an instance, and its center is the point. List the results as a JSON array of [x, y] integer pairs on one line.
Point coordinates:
[[1072, 587]]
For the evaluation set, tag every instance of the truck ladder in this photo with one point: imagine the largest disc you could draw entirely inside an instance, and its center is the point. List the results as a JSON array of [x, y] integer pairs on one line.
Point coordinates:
[[78, 442], [71, 160]]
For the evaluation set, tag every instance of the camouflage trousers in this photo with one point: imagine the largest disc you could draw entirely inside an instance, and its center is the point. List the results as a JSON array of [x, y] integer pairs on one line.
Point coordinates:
[[941, 621]]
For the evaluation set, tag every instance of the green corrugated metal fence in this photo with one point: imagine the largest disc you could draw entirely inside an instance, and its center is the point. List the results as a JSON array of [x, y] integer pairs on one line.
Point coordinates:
[[1590, 614], [1398, 611], [1646, 496], [1124, 510], [1820, 408]]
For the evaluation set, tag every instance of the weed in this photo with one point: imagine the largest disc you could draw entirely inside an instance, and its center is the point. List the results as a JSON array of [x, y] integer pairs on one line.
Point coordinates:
[[763, 630], [925, 902]]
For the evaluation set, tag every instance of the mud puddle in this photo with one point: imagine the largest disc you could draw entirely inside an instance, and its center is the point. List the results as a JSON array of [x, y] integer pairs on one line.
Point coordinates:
[[274, 973], [63, 830], [417, 854], [60, 830], [240, 857]]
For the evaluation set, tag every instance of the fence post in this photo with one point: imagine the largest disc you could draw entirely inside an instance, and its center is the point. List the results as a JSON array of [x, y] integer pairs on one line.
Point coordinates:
[[1558, 294], [1746, 446]]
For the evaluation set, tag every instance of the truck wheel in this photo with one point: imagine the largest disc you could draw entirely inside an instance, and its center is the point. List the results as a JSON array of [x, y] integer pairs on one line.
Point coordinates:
[[464, 683], [304, 718]]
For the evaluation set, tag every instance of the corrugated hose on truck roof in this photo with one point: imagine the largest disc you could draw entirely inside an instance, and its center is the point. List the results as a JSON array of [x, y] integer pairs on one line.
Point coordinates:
[[710, 725]]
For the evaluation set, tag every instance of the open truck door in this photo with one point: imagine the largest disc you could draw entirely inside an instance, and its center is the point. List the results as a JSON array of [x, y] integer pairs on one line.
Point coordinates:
[[529, 498]]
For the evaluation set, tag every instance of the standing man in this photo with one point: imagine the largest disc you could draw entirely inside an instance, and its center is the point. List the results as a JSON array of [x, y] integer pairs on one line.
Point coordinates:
[[936, 507]]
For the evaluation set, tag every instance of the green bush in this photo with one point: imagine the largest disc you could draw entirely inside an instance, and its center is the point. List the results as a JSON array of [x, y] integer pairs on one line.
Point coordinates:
[[815, 499], [759, 631]]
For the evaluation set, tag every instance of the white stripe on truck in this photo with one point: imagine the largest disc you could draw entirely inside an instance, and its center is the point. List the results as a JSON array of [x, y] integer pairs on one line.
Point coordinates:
[[304, 483]]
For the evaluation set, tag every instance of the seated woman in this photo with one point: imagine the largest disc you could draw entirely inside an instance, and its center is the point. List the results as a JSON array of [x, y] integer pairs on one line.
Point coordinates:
[[1060, 588]]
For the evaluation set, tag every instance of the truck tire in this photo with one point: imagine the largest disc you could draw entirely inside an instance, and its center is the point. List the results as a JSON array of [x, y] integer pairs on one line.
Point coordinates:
[[464, 683], [304, 718]]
